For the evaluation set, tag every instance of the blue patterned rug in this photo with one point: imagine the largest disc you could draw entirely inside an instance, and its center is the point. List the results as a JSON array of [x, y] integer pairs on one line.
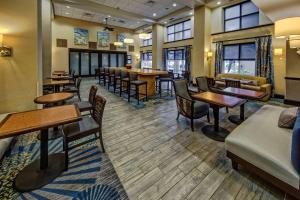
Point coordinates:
[[90, 175]]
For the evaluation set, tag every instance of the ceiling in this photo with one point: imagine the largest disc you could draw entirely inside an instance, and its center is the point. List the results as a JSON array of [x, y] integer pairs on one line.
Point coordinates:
[[132, 14], [279, 9]]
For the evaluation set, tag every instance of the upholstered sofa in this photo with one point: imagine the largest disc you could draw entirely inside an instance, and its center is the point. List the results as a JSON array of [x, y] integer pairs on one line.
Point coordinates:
[[4, 143], [255, 83], [263, 148]]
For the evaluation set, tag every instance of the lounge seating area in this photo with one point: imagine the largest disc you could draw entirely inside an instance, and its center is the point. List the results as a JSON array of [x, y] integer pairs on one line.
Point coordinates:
[[150, 100]]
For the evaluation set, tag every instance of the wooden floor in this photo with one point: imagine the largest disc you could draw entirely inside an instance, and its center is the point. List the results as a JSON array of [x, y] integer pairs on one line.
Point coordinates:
[[157, 157]]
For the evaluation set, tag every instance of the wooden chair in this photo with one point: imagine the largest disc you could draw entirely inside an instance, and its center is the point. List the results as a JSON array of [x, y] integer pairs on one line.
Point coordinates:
[[75, 89], [188, 107], [202, 84], [111, 77], [117, 79], [232, 83], [88, 105], [137, 84], [168, 78], [89, 125], [124, 82]]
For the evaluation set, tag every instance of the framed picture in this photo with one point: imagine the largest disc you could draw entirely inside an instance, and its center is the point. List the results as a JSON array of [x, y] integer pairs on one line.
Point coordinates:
[[103, 39], [121, 37], [81, 36]]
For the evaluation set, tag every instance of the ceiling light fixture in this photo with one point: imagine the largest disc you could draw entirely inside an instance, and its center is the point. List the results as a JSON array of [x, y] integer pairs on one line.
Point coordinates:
[[128, 41], [144, 36], [118, 43], [165, 22], [68, 6], [154, 14], [174, 4], [219, 2], [191, 13], [108, 16], [67, 13]]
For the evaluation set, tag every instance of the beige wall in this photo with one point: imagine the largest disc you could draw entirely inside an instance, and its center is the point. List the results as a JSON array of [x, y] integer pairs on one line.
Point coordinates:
[[19, 73], [46, 20], [63, 28]]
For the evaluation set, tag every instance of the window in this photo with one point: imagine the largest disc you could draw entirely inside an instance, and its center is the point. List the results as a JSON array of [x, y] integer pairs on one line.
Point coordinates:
[[148, 42], [239, 59], [176, 60], [179, 31], [129, 59], [146, 60], [241, 16]]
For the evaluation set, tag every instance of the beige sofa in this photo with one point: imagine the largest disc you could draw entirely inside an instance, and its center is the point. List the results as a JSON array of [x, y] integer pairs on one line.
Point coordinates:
[[4, 143], [265, 149], [258, 83]]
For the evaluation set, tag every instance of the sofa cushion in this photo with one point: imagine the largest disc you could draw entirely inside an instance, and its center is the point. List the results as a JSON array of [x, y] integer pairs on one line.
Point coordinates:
[[262, 143], [295, 152], [260, 80], [288, 117]]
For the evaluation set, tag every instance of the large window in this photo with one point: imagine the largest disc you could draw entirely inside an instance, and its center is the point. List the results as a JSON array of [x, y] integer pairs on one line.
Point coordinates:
[[176, 61], [239, 59], [146, 60], [241, 16], [179, 31], [148, 42]]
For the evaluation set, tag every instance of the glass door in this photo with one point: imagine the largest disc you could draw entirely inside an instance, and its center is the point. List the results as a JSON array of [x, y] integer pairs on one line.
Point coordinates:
[[85, 64], [113, 60], [94, 62], [74, 62], [121, 60], [105, 60]]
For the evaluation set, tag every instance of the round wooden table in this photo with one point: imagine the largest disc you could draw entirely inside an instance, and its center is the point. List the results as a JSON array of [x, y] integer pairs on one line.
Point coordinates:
[[53, 99]]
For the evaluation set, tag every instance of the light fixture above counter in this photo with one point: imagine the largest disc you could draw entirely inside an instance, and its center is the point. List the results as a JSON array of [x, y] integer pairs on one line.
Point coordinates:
[[4, 50]]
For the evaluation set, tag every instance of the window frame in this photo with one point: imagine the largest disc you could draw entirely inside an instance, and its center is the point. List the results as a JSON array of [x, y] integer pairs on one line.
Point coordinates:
[[147, 41], [239, 17], [239, 56], [181, 31]]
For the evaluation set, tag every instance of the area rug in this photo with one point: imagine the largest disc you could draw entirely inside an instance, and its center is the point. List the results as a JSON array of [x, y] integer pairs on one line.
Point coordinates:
[[90, 175]]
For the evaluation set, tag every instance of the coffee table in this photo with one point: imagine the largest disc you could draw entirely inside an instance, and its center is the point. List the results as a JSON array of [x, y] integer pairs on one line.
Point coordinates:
[[216, 102], [44, 170], [53, 99], [243, 94]]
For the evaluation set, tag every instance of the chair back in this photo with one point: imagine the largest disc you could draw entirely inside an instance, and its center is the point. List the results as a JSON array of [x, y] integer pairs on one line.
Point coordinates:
[[232, 83], [78, 82], [98, 109], [97, 72], [111, 71], [101, 69], [124, 74], [92, 94], [202, 84], [117, 72], [106, 70], [133, 76], [211, 82], [181, 88]]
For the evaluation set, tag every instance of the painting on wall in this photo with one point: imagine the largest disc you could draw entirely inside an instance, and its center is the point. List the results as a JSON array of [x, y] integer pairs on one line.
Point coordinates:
[[81, 36], [103, 39], [121, 37]]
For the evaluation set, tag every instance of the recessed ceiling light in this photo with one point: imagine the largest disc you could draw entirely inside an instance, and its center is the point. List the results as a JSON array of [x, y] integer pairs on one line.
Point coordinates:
[[138, 22], [219, 2], [108, 16], [68, 6], [165, 22], [191, 13], [174, 4], [67, 13], [154, 14]]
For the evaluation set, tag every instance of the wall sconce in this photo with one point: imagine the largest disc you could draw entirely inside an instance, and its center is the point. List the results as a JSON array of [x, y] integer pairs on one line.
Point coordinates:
[[4, 50], [128, 41], [209, 55], [118, 43], [278, 52]]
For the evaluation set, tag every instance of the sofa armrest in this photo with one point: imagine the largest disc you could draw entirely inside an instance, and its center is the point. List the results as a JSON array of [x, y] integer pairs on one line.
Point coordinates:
[[266, 88]]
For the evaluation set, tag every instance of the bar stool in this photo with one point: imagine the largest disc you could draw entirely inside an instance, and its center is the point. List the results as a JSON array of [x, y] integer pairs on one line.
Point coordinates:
[[124, 79], [106, 75], [101, 75], [111, 77], [137, 84], [168, 78], [117, 79]]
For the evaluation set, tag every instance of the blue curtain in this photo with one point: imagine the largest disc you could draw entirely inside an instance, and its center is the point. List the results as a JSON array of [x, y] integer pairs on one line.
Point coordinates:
[[188, 56], [264, 59], [164, 55], [218, 58]]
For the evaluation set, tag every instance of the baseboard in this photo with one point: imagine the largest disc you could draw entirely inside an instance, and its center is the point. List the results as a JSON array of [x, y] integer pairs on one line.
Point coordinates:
[[291, 102]]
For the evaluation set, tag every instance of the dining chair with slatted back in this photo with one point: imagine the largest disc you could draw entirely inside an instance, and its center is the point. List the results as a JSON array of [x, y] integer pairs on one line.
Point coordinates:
[[88, 105]]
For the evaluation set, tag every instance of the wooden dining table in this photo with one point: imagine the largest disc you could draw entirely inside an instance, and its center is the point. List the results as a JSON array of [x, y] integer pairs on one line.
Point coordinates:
[[59, 73], [148, 75], [44, 170], [56, 83], [243, 94], [217, 101]]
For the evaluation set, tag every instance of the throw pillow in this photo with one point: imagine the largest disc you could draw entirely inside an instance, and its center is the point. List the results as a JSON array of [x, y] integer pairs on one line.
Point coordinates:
[[288, 117]]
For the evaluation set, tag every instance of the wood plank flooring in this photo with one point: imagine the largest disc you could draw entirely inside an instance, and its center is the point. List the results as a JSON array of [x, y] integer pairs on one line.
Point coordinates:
[[158, 157]]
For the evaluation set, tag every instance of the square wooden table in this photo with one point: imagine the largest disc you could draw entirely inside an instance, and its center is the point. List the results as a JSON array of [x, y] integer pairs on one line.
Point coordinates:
[[243, 94], [216, 102], [48, 167]]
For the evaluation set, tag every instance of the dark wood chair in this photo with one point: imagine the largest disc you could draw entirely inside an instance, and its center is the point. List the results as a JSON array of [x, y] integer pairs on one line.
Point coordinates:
[[88, 105], [111, 78], [232, 83], [124, 82], [186, 75], [75, 89], [106, 75], [188, 107], [117, 79], [101, 76], [168, 78], [89, 125], [133, 77]]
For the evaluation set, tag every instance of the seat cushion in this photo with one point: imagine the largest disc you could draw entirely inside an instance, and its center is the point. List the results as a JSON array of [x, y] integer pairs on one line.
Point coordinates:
[[295, 152], [165, 79], [262, 143], [80, 129], [251, 87], [200, 109], [84, 106]]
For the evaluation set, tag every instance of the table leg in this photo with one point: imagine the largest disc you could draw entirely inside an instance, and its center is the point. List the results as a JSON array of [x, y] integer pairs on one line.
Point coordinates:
[[42, 171], [215, 132], [238, 119]]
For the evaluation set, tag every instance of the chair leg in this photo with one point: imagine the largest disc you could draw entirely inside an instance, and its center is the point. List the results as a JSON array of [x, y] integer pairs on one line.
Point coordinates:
[[65, 147], [192, 124], [160, 89], [128, 91], [178, 114], [146, 89], [171, 89], [78, 94], [227, 110], [101, 142], [208, 118], [137, 94], [121, 88]]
